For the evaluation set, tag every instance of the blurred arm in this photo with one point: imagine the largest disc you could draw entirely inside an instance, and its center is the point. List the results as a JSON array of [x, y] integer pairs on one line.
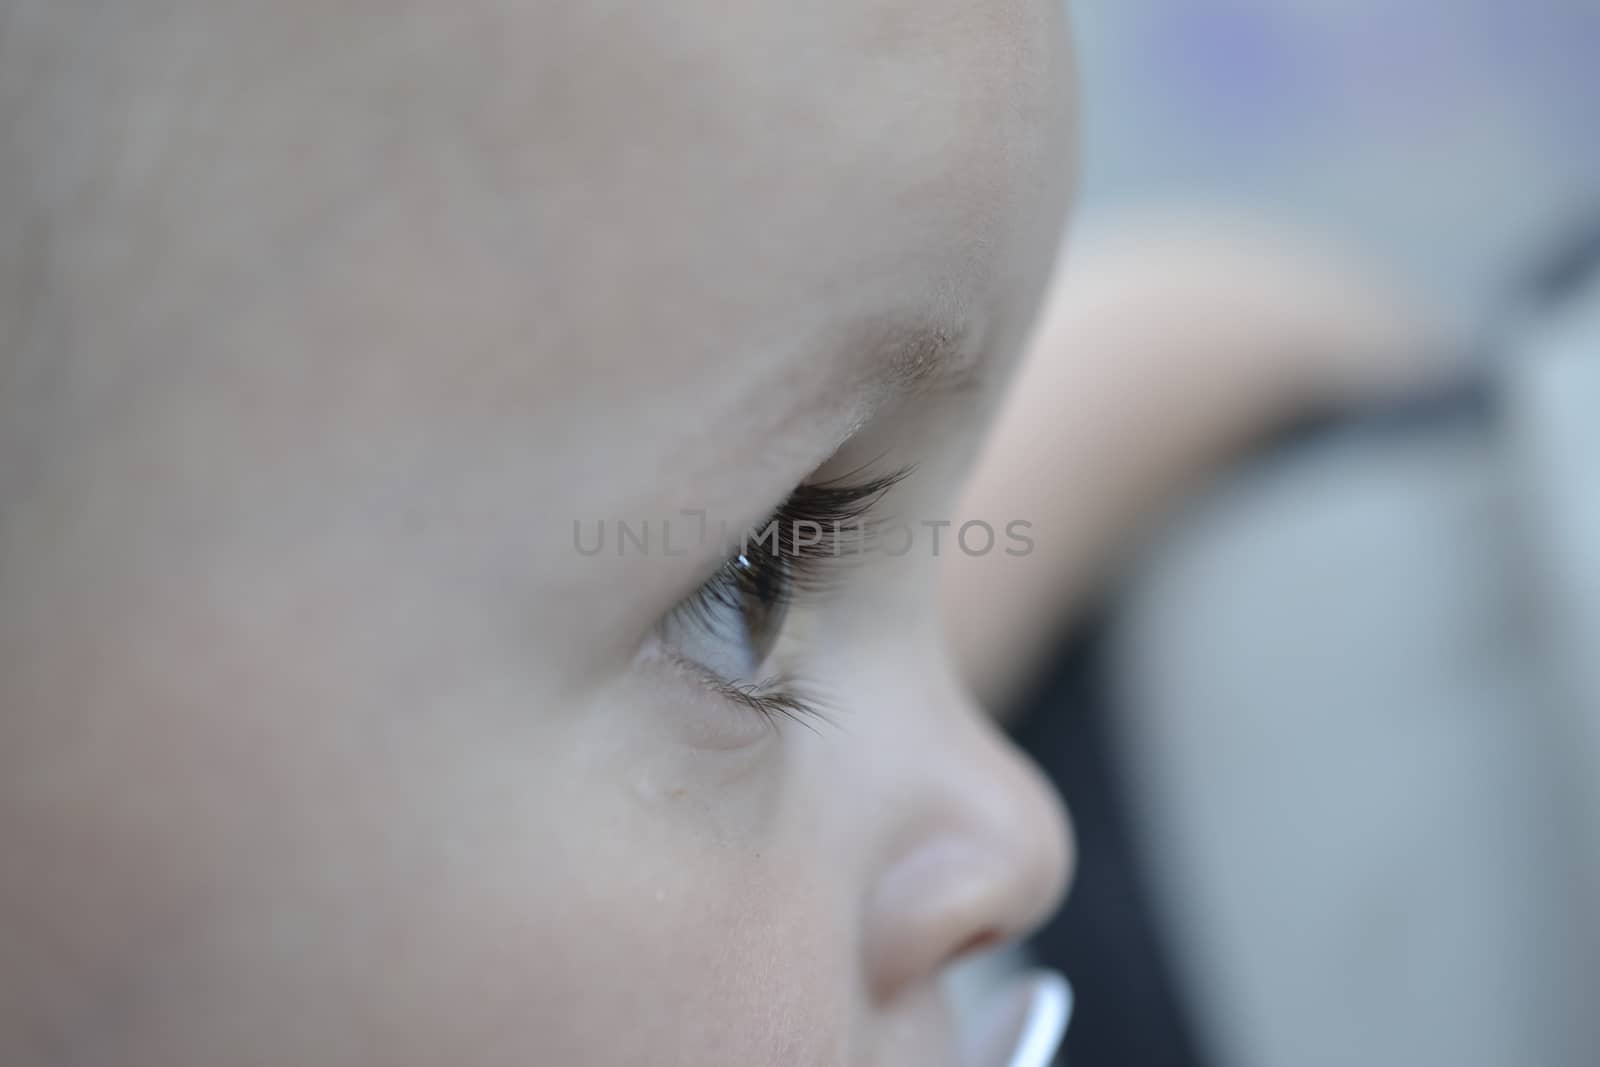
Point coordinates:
[[1160, 353]]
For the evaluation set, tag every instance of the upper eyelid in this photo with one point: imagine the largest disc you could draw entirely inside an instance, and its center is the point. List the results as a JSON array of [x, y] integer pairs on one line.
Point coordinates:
[[806, 566], [838, 499], [830, 505]]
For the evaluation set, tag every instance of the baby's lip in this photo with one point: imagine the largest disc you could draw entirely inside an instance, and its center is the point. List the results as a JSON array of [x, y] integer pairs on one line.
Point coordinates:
[[1021, 1024]]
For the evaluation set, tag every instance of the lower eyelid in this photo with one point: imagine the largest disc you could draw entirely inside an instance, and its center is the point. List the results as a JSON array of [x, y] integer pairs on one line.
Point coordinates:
[[709, 711]]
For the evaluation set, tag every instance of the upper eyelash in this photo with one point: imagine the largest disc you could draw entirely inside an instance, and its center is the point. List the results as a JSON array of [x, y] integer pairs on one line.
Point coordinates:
[[829, 505]]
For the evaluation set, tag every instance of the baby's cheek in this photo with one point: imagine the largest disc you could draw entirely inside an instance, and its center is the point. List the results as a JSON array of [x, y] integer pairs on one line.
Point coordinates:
[[717, 981], [460, 936], [252, 868], [679, 937]]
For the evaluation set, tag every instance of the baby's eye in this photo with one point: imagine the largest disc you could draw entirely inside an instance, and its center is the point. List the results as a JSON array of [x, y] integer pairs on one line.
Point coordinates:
[[731, 623]]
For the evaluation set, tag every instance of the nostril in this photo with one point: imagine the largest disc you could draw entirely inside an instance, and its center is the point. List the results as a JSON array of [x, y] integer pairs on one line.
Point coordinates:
[[979, 941]]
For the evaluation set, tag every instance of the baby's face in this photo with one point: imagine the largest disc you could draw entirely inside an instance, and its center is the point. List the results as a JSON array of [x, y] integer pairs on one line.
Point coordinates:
[[343, 725]]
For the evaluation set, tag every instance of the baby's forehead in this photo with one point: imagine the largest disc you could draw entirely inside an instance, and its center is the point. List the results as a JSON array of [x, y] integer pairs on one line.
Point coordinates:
[[744, 200], [837, 64]]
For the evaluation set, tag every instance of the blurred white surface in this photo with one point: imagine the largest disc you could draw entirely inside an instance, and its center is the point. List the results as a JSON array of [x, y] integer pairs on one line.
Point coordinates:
[[1364, 777]]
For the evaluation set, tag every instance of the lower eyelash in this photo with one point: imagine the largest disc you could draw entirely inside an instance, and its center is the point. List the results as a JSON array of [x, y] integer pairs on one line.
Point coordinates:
[[783, 697], [775, 699]]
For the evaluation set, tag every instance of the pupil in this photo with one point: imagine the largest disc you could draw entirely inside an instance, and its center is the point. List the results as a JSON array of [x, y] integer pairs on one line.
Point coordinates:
[[762, 605]]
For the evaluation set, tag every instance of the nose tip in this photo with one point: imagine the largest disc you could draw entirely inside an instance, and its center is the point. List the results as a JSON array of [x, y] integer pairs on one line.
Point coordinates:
[[989, 868], [1036, 845]]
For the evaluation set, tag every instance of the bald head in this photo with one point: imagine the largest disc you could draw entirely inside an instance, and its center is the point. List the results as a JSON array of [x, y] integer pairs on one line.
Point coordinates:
[[362, 212], [325, 322]]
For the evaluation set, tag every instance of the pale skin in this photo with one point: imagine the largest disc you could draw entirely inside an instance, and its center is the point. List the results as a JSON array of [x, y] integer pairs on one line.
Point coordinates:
[[322, 324], [321, 745]]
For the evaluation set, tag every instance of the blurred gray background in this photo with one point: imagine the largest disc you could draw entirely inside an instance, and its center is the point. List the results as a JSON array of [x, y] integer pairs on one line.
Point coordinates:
[[1452, 138], [1358, 786]]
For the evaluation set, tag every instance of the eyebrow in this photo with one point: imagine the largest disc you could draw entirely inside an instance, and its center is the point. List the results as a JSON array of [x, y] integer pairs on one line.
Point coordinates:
[[922, 357], [869, 364]]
